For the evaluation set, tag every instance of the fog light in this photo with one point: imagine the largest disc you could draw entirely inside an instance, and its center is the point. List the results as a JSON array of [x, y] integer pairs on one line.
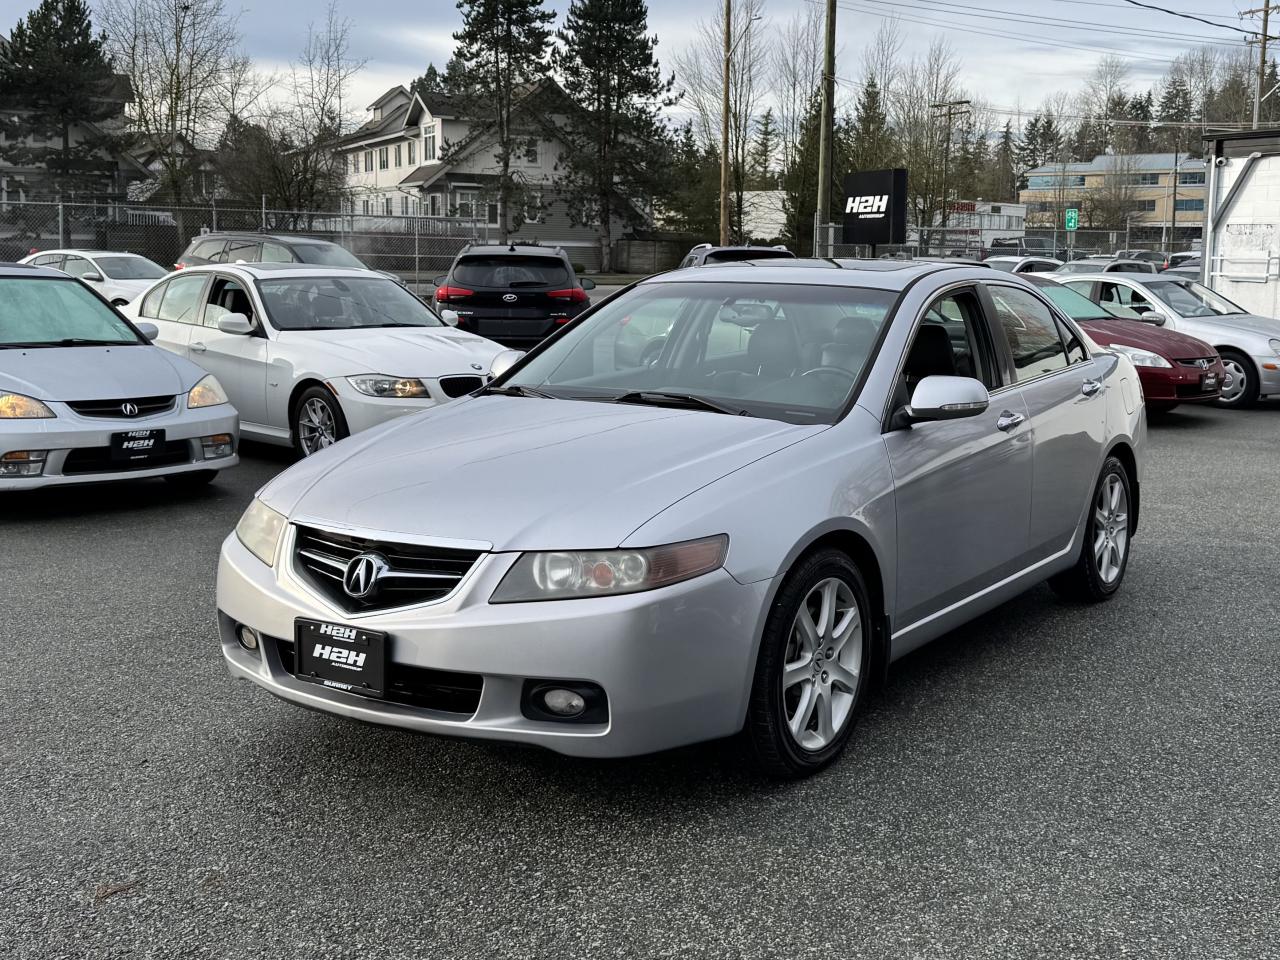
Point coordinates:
[[247, 636], [564, 703], [22, 463], [217, 446]]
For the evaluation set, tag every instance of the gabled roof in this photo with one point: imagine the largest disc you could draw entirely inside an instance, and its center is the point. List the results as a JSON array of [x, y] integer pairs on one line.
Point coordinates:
[[424, 174]]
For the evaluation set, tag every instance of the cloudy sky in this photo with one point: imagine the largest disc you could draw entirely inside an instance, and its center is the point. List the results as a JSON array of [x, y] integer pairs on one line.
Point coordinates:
[[1014, 52]]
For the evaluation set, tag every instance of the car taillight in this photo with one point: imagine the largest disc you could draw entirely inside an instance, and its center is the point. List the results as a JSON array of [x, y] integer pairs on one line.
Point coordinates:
[[178, 266], [445, 294], [573, 295]]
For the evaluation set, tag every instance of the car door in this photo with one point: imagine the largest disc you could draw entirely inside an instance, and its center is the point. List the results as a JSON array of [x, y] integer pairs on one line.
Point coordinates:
[[174, 307], [1062, 387], [238, 361], [962, 487]]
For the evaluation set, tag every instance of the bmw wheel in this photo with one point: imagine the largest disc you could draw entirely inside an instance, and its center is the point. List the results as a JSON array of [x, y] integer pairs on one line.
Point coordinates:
[[1104, 555], [317, 421], [812, 668], [1240, 386]]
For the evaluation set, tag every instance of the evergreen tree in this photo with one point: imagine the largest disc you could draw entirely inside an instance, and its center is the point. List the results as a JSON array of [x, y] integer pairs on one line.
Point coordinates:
[[690, 197], [606, 62], [1141, 112], [55, 79], [452, 79], [504, 44], [872, 146], [1004, 181], [760, 158], [1176, 108]]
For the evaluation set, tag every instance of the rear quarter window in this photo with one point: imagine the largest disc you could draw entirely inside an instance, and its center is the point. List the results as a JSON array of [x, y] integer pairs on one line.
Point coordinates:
[[507, 271]]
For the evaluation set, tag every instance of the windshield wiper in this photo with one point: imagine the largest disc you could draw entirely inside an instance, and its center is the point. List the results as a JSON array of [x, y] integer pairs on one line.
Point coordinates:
[[519, 390], [658, 398], [69, 342]]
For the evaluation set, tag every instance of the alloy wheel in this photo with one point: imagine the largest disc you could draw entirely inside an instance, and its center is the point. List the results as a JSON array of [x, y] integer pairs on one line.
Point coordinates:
[[316, 427], [1111, 528], [821, 665]]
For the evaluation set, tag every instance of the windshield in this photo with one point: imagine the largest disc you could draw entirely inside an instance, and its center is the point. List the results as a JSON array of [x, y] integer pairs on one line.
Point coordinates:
[[1075, 305], [510, 271], [52, 313], [130, 268], [1082, 266], [325, 254], [785, 351], [1005, 265], [1191, 299], [342, 303]]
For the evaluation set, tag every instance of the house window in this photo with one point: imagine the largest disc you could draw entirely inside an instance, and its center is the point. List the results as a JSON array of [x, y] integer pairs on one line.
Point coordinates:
[[1144, 206], [465, 203], [1191, 178], [433, 205], [377, 113], [429, 145], [413, 152], [383, 160], [1053, 181], [386, 206], [533, 209], [364, 207], [1189, 206], [529, 153], [399, 156], [491, 211], [368, 161], [404, 205], [1144, 179]]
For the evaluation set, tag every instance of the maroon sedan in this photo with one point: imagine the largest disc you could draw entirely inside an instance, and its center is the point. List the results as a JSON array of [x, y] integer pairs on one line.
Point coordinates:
[[1173, 367]]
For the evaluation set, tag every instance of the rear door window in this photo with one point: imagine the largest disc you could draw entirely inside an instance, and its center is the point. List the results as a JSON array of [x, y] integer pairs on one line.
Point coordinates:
[[511, 271], [208, 250], [49, 260], [276, 253], [181, 301], [78, 267], [248, 251]]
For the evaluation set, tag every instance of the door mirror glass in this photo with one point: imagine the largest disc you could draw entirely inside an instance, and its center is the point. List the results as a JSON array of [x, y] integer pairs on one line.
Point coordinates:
[[236, 323], [587, 283], [148, 330], [948, 398], [450, 317], [504, 362]]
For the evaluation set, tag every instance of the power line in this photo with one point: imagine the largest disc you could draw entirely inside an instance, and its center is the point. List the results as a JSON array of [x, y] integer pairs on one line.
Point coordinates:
[[1186, 16]]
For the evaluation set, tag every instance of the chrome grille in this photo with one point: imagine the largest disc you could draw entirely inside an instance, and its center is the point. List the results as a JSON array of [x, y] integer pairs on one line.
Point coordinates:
[[144, 407], [414, 574], [460, 386], [1203, 363]]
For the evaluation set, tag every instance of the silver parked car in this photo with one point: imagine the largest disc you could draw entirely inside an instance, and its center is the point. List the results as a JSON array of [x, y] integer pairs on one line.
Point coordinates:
[[85, 397], [821, 470], [1248, 344]]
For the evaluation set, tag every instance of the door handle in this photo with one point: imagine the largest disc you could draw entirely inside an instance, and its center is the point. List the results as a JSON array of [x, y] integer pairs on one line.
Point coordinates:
[[1008, 420], [199, 347], [1090, 387]]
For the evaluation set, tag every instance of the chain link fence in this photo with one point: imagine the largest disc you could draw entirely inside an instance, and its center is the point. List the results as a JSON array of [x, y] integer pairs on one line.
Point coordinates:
[[415, 248]]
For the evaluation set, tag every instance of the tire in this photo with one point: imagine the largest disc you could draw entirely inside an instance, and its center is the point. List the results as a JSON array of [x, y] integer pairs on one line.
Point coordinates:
[[1241, 367], [317, 421], [1097, 574], [191, 480], [774, 709]]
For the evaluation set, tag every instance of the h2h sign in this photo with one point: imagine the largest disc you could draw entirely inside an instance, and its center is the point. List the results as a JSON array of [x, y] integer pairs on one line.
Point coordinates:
[[1072, 218], [875, 207]]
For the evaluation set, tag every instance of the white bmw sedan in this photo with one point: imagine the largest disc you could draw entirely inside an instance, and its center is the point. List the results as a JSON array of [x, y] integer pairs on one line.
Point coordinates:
[[310, 354]]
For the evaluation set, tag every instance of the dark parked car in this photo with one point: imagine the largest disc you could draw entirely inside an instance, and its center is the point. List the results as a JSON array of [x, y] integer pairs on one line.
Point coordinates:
[[515, 294], [705, 254], [264, 248]]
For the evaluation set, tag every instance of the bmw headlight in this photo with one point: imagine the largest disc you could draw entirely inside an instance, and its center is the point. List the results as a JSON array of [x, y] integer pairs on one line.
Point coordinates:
[[396, 388], [14, 406], [207, 393], [1275, 347], [259, 530], [571, 574], [1140, 357]]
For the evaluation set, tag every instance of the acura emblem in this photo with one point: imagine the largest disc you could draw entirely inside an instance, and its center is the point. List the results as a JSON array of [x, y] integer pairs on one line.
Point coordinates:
[[362, 575], [509, 298], [477, 366], [129, 409]]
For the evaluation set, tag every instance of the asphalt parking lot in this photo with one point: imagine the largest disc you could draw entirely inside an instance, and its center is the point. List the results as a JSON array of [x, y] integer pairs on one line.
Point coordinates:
[[1049, 781]]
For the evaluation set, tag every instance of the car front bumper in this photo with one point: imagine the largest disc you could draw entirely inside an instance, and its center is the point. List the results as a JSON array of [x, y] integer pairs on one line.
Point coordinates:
[[78, 447], [675, 664], [1180, 384], [1268, 374]]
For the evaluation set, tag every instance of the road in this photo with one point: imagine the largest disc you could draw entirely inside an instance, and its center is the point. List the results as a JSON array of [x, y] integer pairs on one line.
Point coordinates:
[[1050, 781]]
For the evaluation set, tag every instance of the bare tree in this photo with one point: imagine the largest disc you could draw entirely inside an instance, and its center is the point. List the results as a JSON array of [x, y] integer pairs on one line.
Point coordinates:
[[796, 62], [882, 57], [323, 73]]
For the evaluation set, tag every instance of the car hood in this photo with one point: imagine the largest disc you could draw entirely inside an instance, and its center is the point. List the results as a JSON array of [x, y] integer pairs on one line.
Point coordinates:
[[1244, 322], [1134, 333], [405, 352], [524, 473], [96, 373]]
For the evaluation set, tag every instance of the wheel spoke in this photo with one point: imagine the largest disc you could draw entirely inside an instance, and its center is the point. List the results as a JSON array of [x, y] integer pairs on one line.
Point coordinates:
[[804, 712], [808, 630], [843, 676], [825, 730], [827, 615], [797, 672], [850, 627]]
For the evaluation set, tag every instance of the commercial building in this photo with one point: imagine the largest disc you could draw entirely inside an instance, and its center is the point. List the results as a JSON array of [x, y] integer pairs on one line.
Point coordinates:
[[1242, 227]]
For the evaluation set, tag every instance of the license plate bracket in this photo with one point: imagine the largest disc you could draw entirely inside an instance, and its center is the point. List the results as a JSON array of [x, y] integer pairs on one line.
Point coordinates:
[[340, 657], [133, 445], [1209, 381]]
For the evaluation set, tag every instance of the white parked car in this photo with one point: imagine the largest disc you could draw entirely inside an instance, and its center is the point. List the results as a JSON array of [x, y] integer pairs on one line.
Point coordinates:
[[119, 277], [309, 354], [1023, 264]]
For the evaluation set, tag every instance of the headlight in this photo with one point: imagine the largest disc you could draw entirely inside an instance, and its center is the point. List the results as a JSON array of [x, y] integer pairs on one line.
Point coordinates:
[[207, 393], [398, 388], [1275, 347], [14, 406], [570, 574], [1140, 357], [259, 530]]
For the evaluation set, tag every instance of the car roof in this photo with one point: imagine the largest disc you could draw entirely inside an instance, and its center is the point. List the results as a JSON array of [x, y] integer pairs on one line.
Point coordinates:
[[83, 252], [250, 235], [28, 270], [876, 274], [263, 271], [533, 249], [1143, 277]]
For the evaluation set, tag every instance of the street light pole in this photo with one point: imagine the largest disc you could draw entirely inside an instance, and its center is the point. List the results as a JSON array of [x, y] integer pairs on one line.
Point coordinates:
[[724, 127]]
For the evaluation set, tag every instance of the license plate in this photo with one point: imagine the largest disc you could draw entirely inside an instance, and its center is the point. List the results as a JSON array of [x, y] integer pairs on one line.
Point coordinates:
[[1209, 381], [341, 657], [136, 445]]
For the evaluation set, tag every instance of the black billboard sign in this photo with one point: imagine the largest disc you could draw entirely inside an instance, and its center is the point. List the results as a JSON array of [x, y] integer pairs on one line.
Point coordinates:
[[875, 206]]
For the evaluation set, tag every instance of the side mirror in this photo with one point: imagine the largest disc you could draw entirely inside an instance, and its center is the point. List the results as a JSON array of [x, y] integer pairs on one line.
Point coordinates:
[[947, 398], [236, 323], [450, 317], [92, 277], [587, 283], [504, 362], [148, 330]]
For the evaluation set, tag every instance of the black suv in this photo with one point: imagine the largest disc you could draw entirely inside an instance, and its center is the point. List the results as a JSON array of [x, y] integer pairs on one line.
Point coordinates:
[[704, 254], [516, 294], [264, 248]]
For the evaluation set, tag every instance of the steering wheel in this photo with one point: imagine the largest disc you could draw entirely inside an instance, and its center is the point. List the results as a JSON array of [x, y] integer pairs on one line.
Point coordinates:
[[830, 372]]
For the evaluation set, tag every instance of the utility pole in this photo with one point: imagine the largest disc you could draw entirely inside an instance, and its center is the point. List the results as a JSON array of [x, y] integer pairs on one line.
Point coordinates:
[[826, 125], [1173, 209], [954, 109], [724, 127], [1265, 10]]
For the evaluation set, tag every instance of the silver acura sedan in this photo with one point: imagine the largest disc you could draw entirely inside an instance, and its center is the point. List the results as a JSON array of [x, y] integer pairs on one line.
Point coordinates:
[[85, 397], [816, 471]]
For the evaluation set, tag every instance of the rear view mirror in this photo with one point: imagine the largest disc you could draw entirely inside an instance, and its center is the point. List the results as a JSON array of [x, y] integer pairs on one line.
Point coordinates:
[[148, 330], [587, 283], [450, 317], [92, 277], [504, 362], [947, 398], [236, 323]]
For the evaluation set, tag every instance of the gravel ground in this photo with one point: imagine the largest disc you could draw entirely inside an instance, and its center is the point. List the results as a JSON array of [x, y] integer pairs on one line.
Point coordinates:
[[1049, 781]]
